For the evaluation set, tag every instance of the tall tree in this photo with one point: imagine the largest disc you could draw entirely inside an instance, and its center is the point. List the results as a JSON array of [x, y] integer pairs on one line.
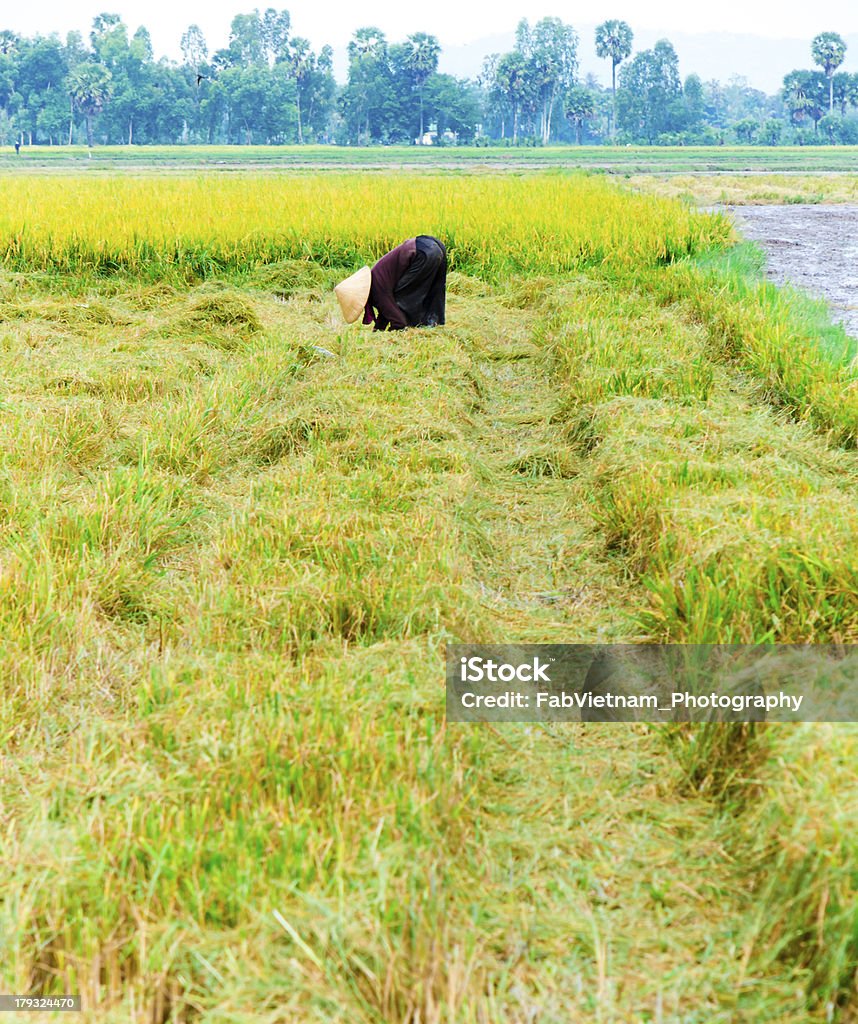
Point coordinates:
[[422, 61], [89, 88], [746, 129], [40, 82], [76, 54], [398, 112], [550, 50], [195, 50], [579, 107], [9, 95], [740, 101], [260, 103], [131, 65], [804, 95], [369, 76], [513, 82], [828, 50], [614, 41], [109, 39], [649, 99], [302, 62], [247, 40], [318, 91], [843, 90], [453, 104], [494, 97], [275, 35], [693, 102], [772, 130]]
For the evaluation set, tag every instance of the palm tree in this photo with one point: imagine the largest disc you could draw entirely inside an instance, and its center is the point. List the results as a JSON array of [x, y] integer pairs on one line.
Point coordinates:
[[367, 49], [422, 62], [828, 50], [89, 88], [514, 84], [796, 95], [614, 40]]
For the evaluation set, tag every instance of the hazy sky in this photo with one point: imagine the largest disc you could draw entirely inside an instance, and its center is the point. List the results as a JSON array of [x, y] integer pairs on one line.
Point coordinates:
[[454, 22]]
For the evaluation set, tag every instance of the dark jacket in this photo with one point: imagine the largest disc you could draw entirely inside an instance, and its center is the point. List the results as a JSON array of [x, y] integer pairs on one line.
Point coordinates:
[[409, 286]]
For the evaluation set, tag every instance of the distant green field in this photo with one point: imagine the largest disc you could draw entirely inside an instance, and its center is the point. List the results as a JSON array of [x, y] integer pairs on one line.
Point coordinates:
[[626, 159]]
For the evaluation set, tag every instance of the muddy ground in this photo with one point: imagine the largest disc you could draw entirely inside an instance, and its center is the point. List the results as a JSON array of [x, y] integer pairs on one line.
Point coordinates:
[[812, 247]]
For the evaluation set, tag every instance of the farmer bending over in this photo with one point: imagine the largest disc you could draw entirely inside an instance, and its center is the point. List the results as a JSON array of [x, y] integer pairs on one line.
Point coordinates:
[[406, 288]]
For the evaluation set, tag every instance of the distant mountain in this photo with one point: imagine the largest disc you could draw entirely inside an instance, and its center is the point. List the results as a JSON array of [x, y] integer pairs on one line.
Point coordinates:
[[763, 61]]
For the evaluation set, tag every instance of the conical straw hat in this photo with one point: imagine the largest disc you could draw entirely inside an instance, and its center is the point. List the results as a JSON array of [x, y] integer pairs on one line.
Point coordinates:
[[353, 293]]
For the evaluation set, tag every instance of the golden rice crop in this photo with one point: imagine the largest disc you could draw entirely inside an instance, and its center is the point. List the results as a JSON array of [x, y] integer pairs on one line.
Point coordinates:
[[228, 566], [203, 223]]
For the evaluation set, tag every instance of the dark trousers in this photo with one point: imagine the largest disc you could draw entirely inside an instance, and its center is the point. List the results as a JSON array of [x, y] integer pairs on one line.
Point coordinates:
[[421, 292]]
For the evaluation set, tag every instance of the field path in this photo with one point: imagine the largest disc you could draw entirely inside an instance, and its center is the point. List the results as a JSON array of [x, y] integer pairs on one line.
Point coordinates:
[[609, 871], [543, 572]]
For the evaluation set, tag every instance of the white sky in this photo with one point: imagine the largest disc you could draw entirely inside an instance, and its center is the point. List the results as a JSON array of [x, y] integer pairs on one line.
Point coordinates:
[[455, 22]]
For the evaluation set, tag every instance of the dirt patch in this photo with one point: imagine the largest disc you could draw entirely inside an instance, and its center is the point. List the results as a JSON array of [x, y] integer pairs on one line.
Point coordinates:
[[812, 247]]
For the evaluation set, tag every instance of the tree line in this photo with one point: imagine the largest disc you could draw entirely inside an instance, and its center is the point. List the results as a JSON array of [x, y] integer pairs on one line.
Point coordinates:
[[269, 86]]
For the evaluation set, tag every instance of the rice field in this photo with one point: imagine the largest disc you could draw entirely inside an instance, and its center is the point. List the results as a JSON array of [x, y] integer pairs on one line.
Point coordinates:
[[204, 224], [235, 535], [705, 160], [757, 187]]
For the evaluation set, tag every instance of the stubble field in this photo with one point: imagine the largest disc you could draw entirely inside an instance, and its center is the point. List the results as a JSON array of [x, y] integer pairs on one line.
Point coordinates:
[[230, 561]]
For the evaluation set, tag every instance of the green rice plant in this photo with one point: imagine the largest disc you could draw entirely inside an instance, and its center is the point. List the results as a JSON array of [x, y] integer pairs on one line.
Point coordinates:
[[720, 759], [805, 365], [793, 840], [803, 854], [732, 541]]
